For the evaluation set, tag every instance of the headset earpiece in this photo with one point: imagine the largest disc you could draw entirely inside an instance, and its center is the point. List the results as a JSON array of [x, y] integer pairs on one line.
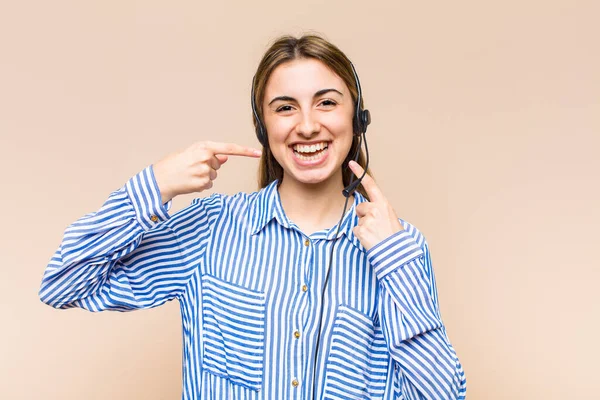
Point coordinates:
[[362, 118], [261, 132], [366, 119]]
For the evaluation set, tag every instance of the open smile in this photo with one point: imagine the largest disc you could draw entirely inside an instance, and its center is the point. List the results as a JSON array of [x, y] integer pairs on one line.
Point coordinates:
[[310, 154]]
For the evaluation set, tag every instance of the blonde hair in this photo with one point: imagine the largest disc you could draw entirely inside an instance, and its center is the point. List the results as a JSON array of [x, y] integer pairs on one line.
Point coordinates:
[[288, 48]]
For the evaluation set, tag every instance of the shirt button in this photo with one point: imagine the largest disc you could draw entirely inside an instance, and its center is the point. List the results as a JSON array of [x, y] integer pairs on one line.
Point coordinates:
[[295, 382], [306, 242], [297, 334], [154, 218], [304, 288]]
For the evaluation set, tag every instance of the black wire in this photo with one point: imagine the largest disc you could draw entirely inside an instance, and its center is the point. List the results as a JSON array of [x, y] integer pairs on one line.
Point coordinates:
[[367, 157], [364, 137], [314, 382]]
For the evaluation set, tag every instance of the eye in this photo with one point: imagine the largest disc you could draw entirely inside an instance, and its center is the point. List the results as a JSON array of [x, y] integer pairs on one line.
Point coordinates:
[[283, 108], [328, 103]]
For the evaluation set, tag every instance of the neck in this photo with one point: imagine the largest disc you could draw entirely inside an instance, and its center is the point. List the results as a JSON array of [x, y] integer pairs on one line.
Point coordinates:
[[313, 206]]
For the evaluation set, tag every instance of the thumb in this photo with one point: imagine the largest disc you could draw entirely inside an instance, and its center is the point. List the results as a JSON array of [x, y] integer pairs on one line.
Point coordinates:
[[222, 158]]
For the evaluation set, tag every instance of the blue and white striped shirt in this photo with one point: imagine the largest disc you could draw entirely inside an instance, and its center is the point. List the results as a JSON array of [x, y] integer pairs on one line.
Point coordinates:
[[249, 284]]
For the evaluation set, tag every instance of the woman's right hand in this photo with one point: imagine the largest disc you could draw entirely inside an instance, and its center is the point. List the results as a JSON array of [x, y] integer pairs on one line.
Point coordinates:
[[195, 168]]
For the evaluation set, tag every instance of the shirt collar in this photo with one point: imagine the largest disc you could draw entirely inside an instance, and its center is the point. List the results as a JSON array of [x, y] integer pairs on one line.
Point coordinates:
[[267, 206]]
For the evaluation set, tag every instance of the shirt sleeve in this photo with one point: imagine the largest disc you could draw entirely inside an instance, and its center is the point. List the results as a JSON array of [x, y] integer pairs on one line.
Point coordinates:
[[130, 254], [425, 361]]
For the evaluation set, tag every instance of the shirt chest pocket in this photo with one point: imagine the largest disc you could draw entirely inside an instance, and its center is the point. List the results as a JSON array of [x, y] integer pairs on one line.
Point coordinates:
[[234, 332], [358, 362]]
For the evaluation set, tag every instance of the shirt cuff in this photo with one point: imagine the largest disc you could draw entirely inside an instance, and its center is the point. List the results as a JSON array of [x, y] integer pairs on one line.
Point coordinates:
[[145, 196], [393, 252]]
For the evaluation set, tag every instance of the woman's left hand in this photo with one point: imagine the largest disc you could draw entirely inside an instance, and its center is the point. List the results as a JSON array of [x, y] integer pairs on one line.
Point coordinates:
[[377, 219]]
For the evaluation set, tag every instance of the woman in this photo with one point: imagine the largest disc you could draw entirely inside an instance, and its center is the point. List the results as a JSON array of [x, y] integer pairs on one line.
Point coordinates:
[[271, 308]]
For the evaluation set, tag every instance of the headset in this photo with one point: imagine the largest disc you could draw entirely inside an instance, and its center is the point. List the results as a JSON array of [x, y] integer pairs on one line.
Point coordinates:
[[360, 122], [362, 118]]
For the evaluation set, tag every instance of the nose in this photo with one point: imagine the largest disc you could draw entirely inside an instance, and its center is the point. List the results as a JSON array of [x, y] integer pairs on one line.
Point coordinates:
[[308, 125]]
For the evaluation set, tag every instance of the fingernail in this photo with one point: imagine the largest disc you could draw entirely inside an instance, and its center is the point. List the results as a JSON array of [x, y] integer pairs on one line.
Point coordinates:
[[257, 152]]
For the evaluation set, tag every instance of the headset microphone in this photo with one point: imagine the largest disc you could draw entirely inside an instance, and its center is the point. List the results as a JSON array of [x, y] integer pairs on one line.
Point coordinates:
[[362, 119]]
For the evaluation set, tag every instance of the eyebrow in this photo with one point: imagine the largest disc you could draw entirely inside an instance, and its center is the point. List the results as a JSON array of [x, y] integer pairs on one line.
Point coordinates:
[[317, 94]]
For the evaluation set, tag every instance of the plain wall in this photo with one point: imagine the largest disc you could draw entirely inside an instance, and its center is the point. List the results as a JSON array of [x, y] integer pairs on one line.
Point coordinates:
[[485, 135]]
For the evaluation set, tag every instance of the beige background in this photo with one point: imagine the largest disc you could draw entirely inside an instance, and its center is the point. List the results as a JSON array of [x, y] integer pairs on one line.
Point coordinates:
[[485, 135]]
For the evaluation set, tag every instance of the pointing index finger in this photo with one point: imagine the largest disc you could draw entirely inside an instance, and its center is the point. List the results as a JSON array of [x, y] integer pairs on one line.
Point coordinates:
[[367, 182], [233, 149]]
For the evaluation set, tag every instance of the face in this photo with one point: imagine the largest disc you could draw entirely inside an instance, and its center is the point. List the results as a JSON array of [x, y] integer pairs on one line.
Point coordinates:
[[308, 110]]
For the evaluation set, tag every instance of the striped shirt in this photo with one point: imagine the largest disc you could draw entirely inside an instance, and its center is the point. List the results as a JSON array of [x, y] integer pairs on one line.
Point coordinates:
[[249, 284]]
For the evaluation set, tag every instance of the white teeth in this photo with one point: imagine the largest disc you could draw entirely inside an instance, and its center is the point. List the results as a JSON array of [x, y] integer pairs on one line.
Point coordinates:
[[309, 149], [311, 158]]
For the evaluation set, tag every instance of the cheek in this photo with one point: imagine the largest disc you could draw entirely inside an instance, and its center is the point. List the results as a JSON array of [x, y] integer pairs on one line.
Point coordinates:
[[277, 134], [279, 128], [341, 129], [338, 123]]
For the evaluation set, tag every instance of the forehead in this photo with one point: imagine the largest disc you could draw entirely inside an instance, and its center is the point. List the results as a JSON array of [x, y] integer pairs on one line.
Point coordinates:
[[302, 76]]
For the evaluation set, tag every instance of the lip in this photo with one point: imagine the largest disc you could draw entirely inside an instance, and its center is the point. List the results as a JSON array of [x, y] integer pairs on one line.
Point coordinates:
[[311, 163]]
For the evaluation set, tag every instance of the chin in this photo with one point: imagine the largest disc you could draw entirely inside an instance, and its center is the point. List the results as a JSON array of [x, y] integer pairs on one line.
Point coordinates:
[[311, 177]]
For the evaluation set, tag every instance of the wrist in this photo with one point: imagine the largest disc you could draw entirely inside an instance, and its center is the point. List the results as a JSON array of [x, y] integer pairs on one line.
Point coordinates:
[[165, 193], [165, 198]]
